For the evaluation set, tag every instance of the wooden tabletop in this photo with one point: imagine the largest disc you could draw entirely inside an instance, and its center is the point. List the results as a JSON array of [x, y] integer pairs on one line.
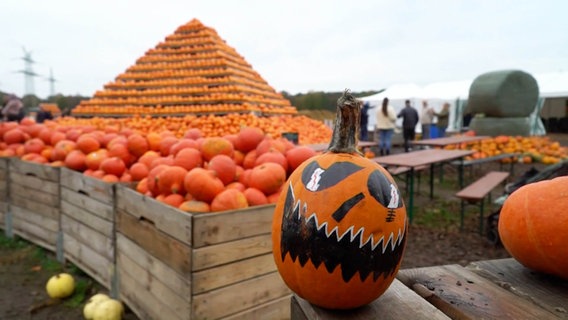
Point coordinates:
[[442, 142], [422, 157], [323, 146], [492, 289]]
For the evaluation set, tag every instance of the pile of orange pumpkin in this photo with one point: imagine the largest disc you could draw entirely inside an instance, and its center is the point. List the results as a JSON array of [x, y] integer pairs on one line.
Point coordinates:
[[192, 172], [529, 149]]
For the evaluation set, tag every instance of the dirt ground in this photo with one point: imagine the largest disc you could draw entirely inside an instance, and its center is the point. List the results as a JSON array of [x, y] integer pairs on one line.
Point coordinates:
[[434, 239]]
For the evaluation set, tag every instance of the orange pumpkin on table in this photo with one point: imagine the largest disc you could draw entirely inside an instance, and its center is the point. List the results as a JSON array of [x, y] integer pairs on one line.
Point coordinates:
[[340, 225], [533, 226]]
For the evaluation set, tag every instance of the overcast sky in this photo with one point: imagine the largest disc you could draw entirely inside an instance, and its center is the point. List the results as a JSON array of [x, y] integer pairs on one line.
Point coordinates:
[[296, 46]]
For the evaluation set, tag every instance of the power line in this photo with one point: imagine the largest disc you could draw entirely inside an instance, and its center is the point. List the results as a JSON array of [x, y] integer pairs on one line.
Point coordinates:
[[29, 73]]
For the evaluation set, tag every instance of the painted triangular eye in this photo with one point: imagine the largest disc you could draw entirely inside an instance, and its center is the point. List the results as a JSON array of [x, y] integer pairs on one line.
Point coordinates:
[[384, 191], [316, 178]]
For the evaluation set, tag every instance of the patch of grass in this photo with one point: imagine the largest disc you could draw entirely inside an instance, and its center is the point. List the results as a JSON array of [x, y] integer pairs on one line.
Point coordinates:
[[12, 243], [440, 216], [82, 287]]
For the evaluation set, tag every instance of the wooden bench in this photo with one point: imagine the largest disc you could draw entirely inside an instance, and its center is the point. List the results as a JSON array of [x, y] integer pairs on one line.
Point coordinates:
[[478, 191]]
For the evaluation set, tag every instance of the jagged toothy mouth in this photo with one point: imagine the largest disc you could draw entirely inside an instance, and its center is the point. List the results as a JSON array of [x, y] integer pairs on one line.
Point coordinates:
[[305, 238]]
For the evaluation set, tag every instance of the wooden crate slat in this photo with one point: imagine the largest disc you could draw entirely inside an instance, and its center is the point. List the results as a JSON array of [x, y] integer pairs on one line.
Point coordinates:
[[49, 223], [278, 309], [175, 254], [94, 222], [34, 183], [91, 187], [93, 239], [3, 175], [162, 294], [36, 207], [141, 301], [238, 297], [40, 171], [154, 267], [544, 290], [210, 256], [4, 162], [176, 223], [90, 261], [32, 232], [91, 206], [209, 229], [48, 199], [231, 273]]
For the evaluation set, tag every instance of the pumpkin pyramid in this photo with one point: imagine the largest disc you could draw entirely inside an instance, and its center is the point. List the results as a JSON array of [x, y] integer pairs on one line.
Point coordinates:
[[191, 71]]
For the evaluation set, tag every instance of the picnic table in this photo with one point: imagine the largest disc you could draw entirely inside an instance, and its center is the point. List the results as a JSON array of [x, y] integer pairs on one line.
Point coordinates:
[[490, 289], [420, 158], [323, 146], [446, 141]]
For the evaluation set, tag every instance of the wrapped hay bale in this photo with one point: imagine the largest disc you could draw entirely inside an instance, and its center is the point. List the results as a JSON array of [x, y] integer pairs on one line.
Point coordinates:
[[492, 126], [506, 93]]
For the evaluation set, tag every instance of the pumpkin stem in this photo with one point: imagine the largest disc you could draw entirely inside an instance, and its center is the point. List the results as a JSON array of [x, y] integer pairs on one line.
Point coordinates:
[[346, 127]]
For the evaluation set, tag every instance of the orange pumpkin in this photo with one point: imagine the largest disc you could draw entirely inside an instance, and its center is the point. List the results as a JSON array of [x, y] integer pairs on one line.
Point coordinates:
[[229, 199], [533, 226], [339, 227]]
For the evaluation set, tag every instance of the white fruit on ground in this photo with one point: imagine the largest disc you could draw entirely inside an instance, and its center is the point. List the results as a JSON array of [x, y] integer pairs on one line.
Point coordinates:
[[60, 286], [91, 305], [110, 309]]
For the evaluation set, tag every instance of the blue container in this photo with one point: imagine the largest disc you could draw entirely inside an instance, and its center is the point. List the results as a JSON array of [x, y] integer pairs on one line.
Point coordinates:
[[433, 131]]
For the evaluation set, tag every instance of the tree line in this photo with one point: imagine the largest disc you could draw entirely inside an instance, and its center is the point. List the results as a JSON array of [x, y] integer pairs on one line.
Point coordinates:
[[313, 100]]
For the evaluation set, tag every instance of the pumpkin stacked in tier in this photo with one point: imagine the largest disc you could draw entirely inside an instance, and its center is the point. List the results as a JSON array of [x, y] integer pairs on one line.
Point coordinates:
[[192, 71]]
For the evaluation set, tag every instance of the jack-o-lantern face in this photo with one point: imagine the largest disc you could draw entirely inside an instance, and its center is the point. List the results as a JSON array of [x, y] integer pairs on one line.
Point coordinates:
[[339, 230]]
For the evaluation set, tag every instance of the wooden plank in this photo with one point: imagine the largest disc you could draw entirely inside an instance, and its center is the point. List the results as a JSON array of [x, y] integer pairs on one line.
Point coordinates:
[[104, 210], [175, 254], [278, 309], [103, 226], [481, 187], [168, 219], [33, 183], [4, 163], [41, 171], [91, 187], [548, 292], [34, 233], [238, 297], [231, 273], [398, 302], [209, 229], [48, 199], [210, 256], [163, 295], [462, 294], [39, 208], [48, 223], [3, 175], [177, 282], [90, 261], [142, 302], [93, 239]]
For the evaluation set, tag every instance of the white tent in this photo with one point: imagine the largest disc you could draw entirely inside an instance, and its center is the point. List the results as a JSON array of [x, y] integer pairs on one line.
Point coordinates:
[[553, 88], [396, 94]]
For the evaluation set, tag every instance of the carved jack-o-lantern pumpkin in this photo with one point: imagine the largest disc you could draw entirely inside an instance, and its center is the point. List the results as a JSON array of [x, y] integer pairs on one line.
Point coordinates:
[[340, 225]]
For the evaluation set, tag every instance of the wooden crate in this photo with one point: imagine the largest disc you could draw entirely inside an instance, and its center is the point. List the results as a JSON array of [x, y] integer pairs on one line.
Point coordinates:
[[88, 225], [3, 192], [197, 266], [34, 202]]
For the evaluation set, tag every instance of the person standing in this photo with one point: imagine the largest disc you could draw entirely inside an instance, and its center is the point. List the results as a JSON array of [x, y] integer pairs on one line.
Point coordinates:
[[364, 120], [409, 117], [426, 119], [386, 118], [13, 108], [43, 114], [443, 119]]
